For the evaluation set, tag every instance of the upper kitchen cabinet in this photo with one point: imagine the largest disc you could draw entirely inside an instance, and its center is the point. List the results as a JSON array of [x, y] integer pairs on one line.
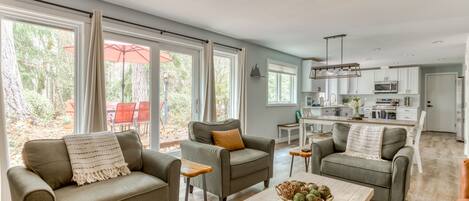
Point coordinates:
[[343, 86], [357, 85], [353, 85], [308, 84], [365, 83], [409, 80], [389, 74]]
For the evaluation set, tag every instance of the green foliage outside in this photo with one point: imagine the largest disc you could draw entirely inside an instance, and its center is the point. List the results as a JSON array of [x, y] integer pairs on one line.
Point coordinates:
[[46, 69]]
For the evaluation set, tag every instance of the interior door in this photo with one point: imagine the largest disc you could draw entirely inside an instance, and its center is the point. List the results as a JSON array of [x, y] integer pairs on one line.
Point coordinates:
[[441, 102]]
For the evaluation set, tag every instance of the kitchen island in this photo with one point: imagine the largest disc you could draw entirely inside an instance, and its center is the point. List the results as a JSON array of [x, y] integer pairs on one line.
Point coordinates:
[[329, 120]]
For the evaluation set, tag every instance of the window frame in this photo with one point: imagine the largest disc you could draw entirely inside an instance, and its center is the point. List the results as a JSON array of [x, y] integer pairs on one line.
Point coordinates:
[[233, 79], [293, 87]]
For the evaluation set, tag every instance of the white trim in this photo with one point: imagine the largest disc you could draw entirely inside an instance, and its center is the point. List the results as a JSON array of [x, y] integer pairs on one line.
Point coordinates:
[[424, 107]]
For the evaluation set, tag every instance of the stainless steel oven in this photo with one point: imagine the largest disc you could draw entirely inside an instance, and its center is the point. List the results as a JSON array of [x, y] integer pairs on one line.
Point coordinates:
[[386, 87]]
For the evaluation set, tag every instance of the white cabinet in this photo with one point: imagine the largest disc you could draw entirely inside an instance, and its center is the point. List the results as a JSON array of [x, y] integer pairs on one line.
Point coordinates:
[[365, 83], [353, 85], [343, 86], [407, 113], [414, 80], [409, 80], [308, 84], [390, 74]]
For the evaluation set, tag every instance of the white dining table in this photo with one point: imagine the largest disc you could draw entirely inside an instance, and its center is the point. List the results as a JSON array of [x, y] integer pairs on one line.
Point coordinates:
[[330, 120]]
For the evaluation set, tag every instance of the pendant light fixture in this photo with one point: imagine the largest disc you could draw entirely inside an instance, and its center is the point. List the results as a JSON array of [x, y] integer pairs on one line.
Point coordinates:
[[341, 70]]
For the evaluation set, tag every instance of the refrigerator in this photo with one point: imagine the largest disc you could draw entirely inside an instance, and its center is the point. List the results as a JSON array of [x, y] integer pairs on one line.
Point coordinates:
[[460, 109]]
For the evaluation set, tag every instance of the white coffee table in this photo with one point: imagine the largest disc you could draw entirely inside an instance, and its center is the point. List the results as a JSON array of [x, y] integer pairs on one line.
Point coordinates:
[[341, 190]]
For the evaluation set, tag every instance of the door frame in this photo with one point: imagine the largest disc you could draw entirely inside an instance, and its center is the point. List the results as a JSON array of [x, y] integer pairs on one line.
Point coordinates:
[[427, 75]]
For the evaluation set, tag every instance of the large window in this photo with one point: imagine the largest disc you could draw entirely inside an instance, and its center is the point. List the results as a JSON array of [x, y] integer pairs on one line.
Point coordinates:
[[282, 87], [225, 68], [38, 70]]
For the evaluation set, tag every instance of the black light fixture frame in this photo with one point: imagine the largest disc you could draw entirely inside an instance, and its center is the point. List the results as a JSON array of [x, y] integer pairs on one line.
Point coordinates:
[[350, 69]]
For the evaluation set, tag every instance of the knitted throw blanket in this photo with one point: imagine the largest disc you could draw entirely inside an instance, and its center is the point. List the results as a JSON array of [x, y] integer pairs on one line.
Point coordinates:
[[95, 157], [365, 142]]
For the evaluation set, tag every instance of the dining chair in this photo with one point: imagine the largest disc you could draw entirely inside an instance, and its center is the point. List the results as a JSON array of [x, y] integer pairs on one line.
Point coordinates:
[[124, 116], [416, 143], [143, 117]]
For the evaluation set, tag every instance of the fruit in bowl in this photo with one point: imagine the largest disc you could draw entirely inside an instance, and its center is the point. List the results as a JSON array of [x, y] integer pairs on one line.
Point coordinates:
[[302, 191]]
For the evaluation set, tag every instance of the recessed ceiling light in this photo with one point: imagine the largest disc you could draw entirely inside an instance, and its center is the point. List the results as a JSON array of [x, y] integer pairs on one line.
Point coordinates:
[[377, 49], [437, 42]]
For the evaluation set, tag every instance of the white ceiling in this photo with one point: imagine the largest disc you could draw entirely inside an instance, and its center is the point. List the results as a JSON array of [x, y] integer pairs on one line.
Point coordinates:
[[380, 33]]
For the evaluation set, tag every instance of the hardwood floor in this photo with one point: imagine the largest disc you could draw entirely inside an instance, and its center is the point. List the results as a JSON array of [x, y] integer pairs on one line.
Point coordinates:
[[441, 158]]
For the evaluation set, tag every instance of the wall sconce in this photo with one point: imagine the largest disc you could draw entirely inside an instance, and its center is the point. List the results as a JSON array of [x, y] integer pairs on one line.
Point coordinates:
[[255, 72]]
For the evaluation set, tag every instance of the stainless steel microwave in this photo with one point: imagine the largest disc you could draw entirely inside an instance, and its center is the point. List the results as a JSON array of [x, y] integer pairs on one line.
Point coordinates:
[[386, 87]]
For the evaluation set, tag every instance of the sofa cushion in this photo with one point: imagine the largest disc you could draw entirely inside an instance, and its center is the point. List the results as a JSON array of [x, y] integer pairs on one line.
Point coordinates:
[[247, 161], [202, 132], [373, 172], [339, 136], [393, 140], [48, 158], [131, 149], [136, 184], [230, 139]]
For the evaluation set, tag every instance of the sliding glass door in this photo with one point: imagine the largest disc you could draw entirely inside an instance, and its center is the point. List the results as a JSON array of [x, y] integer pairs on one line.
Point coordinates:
[[152, 89], [129, 63], [178, 95]]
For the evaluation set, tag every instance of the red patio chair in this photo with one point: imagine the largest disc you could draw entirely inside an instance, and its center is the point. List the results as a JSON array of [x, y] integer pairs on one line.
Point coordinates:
[[143, 117], [124, 116]]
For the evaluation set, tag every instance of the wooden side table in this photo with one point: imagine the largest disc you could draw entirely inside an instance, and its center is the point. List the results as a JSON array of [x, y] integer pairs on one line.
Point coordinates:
[[191, 169], [298, 152]]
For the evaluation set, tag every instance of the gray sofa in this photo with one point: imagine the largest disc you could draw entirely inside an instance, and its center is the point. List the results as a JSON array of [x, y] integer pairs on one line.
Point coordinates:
[[232, 171], [389, 177], [48, 175]]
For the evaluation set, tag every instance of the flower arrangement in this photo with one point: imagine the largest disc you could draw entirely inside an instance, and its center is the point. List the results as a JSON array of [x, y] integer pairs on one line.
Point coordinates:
[[355, 104]]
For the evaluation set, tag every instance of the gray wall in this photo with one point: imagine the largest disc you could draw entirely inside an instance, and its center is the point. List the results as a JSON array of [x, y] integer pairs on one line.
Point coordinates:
[[262, 120], [443, 68]]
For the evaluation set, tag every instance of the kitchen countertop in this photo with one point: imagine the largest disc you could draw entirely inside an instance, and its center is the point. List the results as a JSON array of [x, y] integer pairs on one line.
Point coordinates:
[[342, 119], [330, 106]]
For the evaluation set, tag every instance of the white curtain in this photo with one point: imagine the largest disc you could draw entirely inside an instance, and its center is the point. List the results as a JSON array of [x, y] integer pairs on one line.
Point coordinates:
[[242, 90], [210, 108], [94, 111], [4, 163]]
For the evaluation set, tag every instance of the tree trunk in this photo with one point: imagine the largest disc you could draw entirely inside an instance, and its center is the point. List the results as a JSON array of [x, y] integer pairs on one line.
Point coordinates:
[[140, 84], [15, 102]]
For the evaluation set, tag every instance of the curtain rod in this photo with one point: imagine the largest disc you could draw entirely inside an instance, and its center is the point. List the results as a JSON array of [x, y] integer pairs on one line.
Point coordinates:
[[162, 31]]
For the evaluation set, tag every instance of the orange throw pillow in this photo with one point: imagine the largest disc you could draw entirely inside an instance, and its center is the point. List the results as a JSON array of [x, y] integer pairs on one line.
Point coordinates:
[[230, 139]]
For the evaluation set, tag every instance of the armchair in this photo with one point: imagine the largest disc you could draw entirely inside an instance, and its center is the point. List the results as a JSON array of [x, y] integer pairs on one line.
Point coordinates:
[[389, 177], [232, 171]]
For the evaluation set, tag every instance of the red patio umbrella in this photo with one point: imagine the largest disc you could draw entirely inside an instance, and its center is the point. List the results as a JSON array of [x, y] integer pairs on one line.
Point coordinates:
[[125, 52]]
